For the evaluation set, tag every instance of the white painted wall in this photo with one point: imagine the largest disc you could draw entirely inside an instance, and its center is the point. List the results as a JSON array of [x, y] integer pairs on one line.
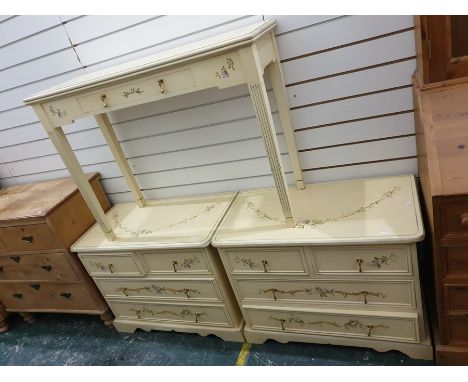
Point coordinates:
[[348, 80]]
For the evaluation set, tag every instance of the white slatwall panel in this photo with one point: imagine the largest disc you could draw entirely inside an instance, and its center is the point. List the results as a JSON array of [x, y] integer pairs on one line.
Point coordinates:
[[348, 79]]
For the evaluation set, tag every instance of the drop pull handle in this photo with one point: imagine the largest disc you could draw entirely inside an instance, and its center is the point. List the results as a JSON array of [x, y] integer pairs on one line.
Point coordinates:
[[28, 239], [47, 268], [35, 286], [18, 295], [111, 268], [66, 295], [359, 262], [264, 263], [162, 89], [103, 99], [174, 265]]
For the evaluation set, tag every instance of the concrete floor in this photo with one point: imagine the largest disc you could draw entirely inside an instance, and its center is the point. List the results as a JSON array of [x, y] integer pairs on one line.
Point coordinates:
[[83, 340]]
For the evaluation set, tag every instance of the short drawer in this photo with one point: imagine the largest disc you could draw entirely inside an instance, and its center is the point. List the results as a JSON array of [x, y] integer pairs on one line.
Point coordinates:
[[458, 331], [171, 289], [455, 261], [266, 261], [32, 237], [154, 87], [454, 219], [37, 267], [360, 260], [370, 293], [176, 262], [404, 328], [185, 314], [456, 299], [111, 265], [47, 296]]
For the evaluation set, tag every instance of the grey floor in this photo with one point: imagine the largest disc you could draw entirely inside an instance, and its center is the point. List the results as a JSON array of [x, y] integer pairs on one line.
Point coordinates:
[[83, 340]]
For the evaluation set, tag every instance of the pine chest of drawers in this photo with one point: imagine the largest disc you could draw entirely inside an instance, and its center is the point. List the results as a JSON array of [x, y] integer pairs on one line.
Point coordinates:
[[38, 273], [161, 272], [347, 274]]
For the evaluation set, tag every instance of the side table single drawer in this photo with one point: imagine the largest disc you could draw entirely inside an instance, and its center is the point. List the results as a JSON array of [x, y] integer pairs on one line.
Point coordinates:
[[266, 261], [363, 260], [185, 314], [365, 293], [154, 87], [37, 267], [182, 289], [48, 296], [31, 237], [454, 219], [176, 262], [111, 265], [316, 322]]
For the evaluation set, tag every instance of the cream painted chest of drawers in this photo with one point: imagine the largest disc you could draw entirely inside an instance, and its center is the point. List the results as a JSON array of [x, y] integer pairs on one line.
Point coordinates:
[[346, 274], [161, 273]]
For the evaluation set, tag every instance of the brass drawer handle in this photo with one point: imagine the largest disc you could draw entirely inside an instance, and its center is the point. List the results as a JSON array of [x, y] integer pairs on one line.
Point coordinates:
[[35, 286], [47, 268], [65, 295], [174, 265], [161, 86], [264, 263], [464, 220], [359, 262], [18, 295], [111, 268], [103, 99], [28, 239]]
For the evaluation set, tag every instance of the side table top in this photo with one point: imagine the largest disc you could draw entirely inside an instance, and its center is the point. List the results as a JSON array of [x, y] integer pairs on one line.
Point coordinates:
[[368, 211]]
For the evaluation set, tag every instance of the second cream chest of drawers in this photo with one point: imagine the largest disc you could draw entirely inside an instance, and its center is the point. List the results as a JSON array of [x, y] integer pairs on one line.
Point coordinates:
[[161, 272], [347, 274]]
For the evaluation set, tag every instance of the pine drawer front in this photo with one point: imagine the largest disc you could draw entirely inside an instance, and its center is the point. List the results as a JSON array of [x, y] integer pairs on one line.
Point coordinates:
[[152, 88], [31, 237], [454, 220], [47, 296], [111, 265], [286, 260], [187, 290], [314, 322], [176, 262], [365, 293], [37, 267], [186, 314], [363, 260]]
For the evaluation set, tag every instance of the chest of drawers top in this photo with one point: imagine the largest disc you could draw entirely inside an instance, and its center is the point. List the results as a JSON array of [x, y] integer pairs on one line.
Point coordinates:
[[32, 203], [370, 211], [187, 222]]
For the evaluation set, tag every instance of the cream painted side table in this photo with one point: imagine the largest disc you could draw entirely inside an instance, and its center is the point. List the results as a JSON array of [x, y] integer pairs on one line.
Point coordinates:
[[238, 57], [346, 274], [161, 273]]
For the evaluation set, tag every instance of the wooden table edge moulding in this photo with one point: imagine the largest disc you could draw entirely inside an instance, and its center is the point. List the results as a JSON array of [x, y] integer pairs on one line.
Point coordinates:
[[238, 57]]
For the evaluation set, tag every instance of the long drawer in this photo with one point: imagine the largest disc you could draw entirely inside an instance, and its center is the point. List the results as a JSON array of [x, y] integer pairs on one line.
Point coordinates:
[[397, 328], [37, 267], [168, 289], [48, 296], [184, 314], [347, 292]]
